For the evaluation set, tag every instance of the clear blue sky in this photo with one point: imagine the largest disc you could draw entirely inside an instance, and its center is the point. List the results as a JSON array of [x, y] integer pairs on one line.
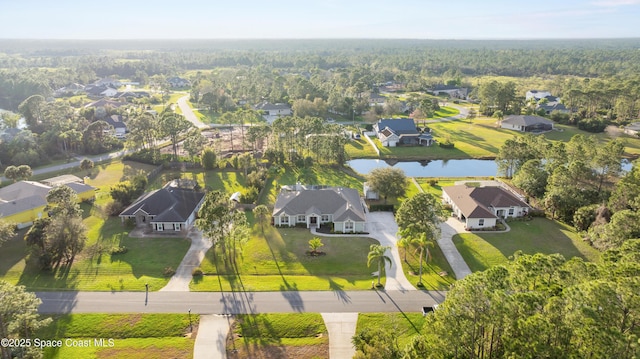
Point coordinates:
[[232, 19]]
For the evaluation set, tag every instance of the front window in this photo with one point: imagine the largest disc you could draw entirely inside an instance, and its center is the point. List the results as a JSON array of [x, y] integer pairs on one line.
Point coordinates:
[[325, 218], [481, 222], [301, 218], [348, 226], [511, 211], [284, 219]]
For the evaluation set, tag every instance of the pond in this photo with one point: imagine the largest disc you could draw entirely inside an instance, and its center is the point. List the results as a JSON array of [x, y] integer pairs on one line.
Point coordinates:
[[440, 168], [436, 168]]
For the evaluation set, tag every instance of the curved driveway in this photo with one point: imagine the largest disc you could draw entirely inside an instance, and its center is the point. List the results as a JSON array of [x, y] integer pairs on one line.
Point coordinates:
[[188, 113]]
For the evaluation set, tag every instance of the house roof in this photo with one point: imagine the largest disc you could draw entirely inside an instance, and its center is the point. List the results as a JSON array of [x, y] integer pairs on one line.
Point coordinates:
[[446, 87], [474, 202], [342, 203], [105, 102], [116, 121], [633, 126], [168, 204], [399, 126], [526, 120], [267, 106], [25, 195], [60, 180]]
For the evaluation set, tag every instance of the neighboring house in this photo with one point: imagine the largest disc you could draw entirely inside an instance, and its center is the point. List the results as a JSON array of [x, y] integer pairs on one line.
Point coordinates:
[[526, 123], [376, 99], [632, 129], [401, 131], [481, 207], [128, 95], [369, 193], [538, 95], [23, 202], [271, 111], [551, 106], [452, 91], [62, 179], [108, 81], [170, 208], [100, 91], [104, 103], [178, 82], [315, 205], [71, 89], [119, 127]]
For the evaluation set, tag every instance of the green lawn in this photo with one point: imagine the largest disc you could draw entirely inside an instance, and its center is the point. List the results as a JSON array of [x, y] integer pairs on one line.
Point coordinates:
[[323, 175], [360, 149], [301, 335], [404, 326], [134, 335], [446, 111], [278, 261], [222, 180], [436, 190], [436, 272], [541, 235]]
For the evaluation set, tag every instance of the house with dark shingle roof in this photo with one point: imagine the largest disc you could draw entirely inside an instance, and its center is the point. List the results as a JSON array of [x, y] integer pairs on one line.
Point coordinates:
[[314, 206], [526, 123], [401, 131], [481, 207], [170, 208]]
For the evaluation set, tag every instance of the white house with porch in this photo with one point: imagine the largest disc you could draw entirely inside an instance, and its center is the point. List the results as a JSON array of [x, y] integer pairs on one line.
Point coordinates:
[[315, 206]]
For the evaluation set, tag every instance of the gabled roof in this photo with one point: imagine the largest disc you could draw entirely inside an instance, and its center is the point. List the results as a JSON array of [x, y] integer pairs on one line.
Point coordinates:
[[62, 179], [474, 202], [104, 102], [267, 106], [399, 126], [25, 195], [342, 203], [116, 121], [168, 204], [526, 120]]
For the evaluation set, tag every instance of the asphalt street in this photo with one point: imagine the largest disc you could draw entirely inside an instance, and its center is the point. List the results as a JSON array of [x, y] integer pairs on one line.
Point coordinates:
[[238, 302]]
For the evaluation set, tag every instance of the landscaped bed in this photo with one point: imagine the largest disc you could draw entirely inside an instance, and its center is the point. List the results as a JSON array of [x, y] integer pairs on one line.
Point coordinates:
[[541, 235], [268, 336]]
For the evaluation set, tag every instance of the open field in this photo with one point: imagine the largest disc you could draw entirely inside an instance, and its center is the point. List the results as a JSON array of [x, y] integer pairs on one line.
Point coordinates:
[[278, 261], [540, 235], [360, 149], [404, 326], [134, 335], [222, 180], [269, 336]]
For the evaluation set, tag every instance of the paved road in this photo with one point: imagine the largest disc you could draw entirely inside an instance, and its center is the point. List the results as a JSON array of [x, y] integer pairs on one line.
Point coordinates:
[[188, 113], [369, 301]]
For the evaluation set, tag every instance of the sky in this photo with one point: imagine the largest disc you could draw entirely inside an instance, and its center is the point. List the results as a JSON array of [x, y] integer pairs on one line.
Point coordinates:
[[277, 19]]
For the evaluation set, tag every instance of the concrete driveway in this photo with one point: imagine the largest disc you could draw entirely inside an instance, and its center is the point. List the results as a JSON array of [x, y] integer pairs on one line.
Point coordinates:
[[341, 328], [188, 113], [383, 227], [179, 282], [449, 229]]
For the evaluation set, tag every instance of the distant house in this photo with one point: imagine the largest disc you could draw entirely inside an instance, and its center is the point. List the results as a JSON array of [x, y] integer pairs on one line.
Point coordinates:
[[526, 123], [481, 207], [271, 111], [100, 91], [632, 129], [452, 91], [104, 103], [376, 99], [128, 95], [23, 202], [536, 94], [316, 206], [369, 193], [108, 81], [551, 106], [119, 127], [71, 89], [170, 208], [401, 131], [178, 82]]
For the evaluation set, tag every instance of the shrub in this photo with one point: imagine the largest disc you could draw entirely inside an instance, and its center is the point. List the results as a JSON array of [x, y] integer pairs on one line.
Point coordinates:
[[168, 271], [119, 250], [113, 208], [249, 195], [446, 144], [196, 272], [433, 182], [593, 125], [381, 208], [208, 159]]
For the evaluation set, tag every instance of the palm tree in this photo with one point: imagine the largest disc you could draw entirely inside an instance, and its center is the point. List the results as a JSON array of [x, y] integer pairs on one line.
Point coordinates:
[[404, 242], [423, 244], [262, 213], [377, 254]]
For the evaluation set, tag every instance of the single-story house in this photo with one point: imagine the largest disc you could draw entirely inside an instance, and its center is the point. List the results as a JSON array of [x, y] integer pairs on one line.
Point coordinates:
[[376, 99], [271, 111], [536, 94], [526, 123], [119, 127], [23, 202], [481, 207], [100, 91], [632, 129], [314, 206], [452, 91], [552, 106], [401, 131], [178, 82], [170, 208]]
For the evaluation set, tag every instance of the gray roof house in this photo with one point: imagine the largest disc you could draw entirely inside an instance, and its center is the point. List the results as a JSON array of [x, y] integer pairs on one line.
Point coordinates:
[[401, 131], [632, 129], [271, 111], [480, 207], [526, 123], [314, 206], [170, 208]]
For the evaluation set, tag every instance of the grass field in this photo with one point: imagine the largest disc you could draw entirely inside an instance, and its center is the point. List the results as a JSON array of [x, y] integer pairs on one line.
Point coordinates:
[[324, 175], [436, 190], [540, 235], [360, 149], [436, 272], [134, 335], [222, 180], [278, 261], [404, 326], [267, 336]]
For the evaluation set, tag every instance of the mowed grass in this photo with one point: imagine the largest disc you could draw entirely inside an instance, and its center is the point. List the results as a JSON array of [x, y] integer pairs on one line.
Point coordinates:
[[360, 149], [436, 271], [321, 175], [302, 335], [95, 268], [436, 190], [221, 180], [279, 261], [403, 326], [134, 335], [540, 235]]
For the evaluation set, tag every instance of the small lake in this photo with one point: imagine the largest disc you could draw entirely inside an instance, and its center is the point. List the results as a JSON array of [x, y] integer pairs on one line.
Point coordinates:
[[440, 168], [436, 168]]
